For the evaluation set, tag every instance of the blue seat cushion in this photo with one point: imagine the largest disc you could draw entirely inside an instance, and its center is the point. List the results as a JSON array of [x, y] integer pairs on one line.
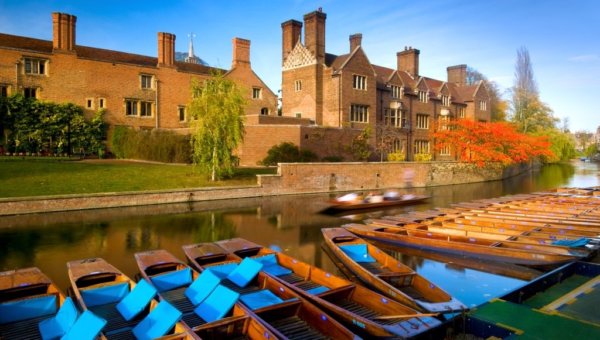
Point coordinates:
[[172, 280], [217, 304], [245, 272], [87, 327], [137, 300], [58, 325], [357, 252], [202, 287], [28, 308], [111, 293], [317, 290], [580, 242], [267, 259], [156, 324], [222, 270], [276, 270], [259, 299]]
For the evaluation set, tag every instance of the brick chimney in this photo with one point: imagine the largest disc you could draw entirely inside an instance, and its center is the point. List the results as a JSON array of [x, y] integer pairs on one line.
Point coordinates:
[[314, 34], [457, 74], [291, 30], [166, 49], [408, 60], [63, 31], [355, 41], [241, 53]]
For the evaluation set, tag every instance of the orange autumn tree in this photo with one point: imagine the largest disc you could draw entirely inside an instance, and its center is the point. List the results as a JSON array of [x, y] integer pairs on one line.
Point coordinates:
[[481, 143]]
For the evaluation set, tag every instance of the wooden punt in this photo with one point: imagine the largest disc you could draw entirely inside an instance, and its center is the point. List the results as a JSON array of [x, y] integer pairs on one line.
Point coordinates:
[[357, 307], [464, 246], [388, 275], [293, 317], [341, 206], [26, 286], [89, 275]]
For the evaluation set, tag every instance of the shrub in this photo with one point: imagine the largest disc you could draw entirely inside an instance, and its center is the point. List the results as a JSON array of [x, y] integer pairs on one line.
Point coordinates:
[[152, 145], [333, 159], [287, 152], [423, 157], [396, 156]]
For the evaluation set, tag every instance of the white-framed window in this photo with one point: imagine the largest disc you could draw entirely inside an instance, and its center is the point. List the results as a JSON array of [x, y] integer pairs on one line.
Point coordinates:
[[298, 114], [445, 150], [181, 113], [443, 122], [256, 93], [394, 117], [421, 146], [482, 105], [146, 109], [101, 103], [298, 85], [131, 107], [264, 111], [359, 82], [422, 121], [89, 103], [30, 92], [398, 145], [395, 91], [359, 113], [35, 66], [3, 90], [423, 96], [461, 112], [445, 100], [146, 82]]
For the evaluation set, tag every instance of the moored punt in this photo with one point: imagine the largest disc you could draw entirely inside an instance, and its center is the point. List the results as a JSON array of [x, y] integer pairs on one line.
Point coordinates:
[[130, 309], [487, 249], [340, 206], [32, 307], [282, 311], [359, 308], [386, 274]]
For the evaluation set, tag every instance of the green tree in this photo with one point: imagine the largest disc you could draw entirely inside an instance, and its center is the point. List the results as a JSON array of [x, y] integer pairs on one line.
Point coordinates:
[[561, 144], [360, 147], [287, 152], [217, 109]]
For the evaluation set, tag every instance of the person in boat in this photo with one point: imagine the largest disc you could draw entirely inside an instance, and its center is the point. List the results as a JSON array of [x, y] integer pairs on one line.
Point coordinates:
[[391, 195]]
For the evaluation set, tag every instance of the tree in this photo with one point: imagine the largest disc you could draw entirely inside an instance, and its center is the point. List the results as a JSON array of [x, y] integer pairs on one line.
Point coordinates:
[[217, 109], [498, 106], [360, 147], [287, 152], [583, 139]]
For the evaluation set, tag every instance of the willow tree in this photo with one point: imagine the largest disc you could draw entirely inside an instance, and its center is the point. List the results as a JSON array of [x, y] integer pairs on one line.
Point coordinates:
[[217, 111]]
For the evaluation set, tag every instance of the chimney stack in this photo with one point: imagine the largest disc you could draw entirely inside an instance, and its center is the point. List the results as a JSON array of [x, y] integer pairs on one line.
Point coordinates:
[[314, 34], [355, 41], [291, 30], [166, 49], [241, 53], [63, 31], [408, 60], [457, 74]]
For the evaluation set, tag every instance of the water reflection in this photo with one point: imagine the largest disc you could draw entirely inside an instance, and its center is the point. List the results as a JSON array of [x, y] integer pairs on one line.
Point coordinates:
[[289, 222]]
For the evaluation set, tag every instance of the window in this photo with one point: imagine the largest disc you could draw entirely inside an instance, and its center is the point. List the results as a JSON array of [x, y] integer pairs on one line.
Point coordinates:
[[181, 112], [421, 146], [298, 115], [482, 105], [359, 113], [422, 121], [131, 107], [395, 91], [145, 109], [30, 92], [35, 66], [446, 100], [445, 150], [3, 91], [256, 93], [264, 111], [101, 103], [89, 103], [423, 96], [461, 112], [298, 85], [398, 145], [146, 81], [359, 82], [394, 117], [443, 122]]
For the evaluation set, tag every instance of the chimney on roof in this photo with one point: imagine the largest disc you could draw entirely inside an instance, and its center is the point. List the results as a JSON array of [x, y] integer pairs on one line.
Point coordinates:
[[355, 41], [314, 34], [166, 49], [291, 30], [241, 53], [63, 31], [408, 61], [457, 74]]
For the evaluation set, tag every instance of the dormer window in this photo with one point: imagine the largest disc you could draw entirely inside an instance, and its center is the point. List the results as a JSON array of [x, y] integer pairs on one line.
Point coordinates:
[[482, 105], [359, 82], [445, 100], [395, 91], [423, 96], [146, 81]]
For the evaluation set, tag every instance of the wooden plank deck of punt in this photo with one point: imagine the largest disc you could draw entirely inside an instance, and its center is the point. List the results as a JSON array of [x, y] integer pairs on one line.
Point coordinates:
[[525, 227], [519, 215], [529, 220]]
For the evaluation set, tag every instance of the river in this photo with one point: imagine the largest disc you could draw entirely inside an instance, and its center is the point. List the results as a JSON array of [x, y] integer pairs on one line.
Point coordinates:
[[291, 223]]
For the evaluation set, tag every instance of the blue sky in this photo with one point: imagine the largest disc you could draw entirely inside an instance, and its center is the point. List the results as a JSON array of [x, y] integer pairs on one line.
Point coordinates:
[[563, 37]]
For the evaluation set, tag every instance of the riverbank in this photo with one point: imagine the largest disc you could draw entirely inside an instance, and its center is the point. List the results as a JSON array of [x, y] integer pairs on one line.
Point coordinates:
[[291, 178]]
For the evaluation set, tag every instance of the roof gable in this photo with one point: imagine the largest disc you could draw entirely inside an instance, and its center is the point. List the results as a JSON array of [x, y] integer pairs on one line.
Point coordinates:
[[357, 53], [299, 56]]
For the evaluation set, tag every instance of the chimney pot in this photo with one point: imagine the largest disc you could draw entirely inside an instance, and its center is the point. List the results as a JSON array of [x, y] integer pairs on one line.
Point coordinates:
[[355, 41], [63, 31], [241, 53], [408, 61], [166, 49]]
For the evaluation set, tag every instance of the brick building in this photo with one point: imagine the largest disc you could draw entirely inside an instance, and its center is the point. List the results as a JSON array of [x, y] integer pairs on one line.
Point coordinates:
[[402, 107], [135, 90]]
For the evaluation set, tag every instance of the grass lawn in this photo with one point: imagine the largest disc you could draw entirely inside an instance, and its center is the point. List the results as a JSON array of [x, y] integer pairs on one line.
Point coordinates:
[[36, 177]]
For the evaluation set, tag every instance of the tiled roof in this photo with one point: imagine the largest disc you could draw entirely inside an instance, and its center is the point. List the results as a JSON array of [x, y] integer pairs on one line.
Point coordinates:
[[23, 43], [115, 56], [467, 92], [383, 73], [433, 84], [334, 61]]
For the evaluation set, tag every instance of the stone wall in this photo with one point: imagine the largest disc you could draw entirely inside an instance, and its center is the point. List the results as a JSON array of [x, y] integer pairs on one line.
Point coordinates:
[[291, 179]]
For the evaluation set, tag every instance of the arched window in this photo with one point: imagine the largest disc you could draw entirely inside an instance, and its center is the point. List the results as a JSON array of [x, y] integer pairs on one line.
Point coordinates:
[[264, 111]]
